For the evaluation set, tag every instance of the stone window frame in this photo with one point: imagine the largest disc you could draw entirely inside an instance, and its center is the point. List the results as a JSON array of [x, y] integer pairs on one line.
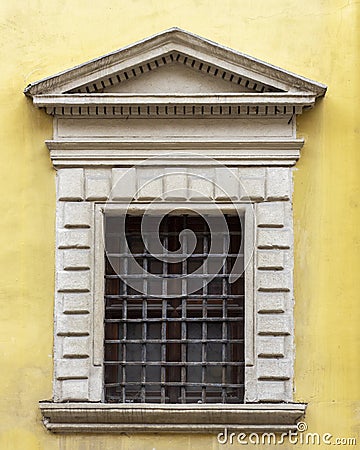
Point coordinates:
[[79, 319], [253, 167], [243, 210]]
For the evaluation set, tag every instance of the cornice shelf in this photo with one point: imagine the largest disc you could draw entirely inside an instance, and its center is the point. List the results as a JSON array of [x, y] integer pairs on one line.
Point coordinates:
[[163, 105], [173, 144], [190, 418], [78, 153], [175, 46]]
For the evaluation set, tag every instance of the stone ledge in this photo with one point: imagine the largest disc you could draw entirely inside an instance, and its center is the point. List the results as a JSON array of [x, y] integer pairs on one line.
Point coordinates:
[[200, 144], [189, 418], [220, 104], [71, 153]]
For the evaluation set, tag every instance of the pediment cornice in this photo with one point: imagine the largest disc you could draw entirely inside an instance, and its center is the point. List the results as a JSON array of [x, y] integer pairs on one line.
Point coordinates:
[[175, 46], [220, 105], [175, 93]]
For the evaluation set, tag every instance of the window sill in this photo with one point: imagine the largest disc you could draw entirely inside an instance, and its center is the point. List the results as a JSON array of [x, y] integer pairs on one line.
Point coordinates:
[[190, 418]]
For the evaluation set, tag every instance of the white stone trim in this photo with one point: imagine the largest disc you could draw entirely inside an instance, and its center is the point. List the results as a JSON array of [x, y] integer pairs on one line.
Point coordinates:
[[175, 106], [196, 149], [110, 152], [162, 44], [269, 326], [268, 275], [79, 321]]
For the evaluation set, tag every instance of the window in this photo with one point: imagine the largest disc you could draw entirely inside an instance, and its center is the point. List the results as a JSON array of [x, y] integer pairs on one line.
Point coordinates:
[[173, 120], [174, 321]]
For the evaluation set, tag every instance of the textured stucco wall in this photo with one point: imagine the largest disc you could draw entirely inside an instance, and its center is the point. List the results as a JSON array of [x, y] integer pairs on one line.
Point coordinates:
[[315, 38]]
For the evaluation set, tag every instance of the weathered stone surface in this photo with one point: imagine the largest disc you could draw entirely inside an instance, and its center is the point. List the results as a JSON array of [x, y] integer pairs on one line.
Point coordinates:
[[78, 214], [278, 183], [252, 188], [227, 184], [76, 303], [271, 346], [97, 185], [73, 325], [269, 391], [274, 368], [270, 259], [72, 368], [70, 184], [274, 280], [73, 281], [76, 259], [175, 184], [274, 238], [150, 184], [274, 324], [76, 346], [74, 239], [270, 214], [201, 184], [123, 184], [75, 390], [271, 302]]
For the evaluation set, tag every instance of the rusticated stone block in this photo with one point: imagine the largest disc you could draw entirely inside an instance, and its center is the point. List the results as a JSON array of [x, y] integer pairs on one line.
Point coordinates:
[[274, 324], [76, 303], [76, 390], [73, 325], [270, 214], [271, 302], [270, 259], [76, 259], [76, 346], [278, 183], [70, 368], [274, 238], [274, 368], [73, 281], [274, 280], [74, 239], [271, 346], [70, 184], [77, 215], [97, 185], [123, 184], [269, 391]]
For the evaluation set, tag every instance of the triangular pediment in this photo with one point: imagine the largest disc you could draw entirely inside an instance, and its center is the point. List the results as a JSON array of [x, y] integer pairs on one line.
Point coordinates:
[[171, 77], [175, 61]]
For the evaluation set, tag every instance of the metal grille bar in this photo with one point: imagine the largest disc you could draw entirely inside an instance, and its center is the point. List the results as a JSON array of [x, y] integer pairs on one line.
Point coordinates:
[[178, 346]]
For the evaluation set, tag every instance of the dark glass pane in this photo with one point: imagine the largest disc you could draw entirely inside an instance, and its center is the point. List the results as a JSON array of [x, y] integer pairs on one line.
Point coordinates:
[[182, 331]]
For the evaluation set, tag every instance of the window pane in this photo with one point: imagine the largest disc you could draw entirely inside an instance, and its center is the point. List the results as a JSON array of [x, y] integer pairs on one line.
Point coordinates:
[[174, 324]]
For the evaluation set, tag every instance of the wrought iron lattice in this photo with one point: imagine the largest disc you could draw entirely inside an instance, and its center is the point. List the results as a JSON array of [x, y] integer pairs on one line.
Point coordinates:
[[180, 345]]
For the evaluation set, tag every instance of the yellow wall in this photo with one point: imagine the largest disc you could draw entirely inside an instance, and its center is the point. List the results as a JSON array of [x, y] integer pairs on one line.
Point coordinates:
[[316, 38]]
